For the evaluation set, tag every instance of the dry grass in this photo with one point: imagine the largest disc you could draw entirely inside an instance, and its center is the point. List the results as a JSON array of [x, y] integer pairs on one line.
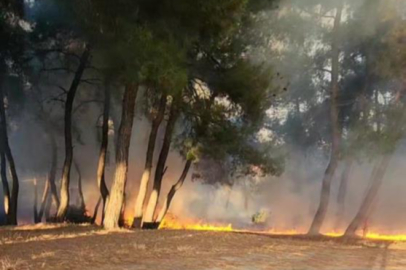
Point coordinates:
[[45, 226], [140, 246], [91, 248], [51, 236], [7, 264], [185, 248], [43, 255]]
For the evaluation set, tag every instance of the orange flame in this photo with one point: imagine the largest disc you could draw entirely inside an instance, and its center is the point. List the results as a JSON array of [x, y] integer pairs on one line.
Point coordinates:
[[172, 222]]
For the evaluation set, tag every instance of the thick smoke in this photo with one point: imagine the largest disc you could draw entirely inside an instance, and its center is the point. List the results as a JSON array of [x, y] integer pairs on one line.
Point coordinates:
[[291, 199]]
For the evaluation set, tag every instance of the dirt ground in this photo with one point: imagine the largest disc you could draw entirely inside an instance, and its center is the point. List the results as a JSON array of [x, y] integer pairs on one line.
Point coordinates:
[[87, 247]]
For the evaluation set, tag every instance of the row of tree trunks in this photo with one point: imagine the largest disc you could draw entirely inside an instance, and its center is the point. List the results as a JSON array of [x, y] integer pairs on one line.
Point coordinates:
[[184, 174], [336, 130], [101, 166], [13, 205], [64, 203], [142, 192], [116, 197], [148, 220], [173, 191]]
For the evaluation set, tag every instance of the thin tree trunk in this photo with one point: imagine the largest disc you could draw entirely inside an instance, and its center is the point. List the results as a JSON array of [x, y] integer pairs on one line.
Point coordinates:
[[139, 204], [230, 189], [52, 170], [173, 191], [6, 189], [342, 192], [101, 183], [64, 203], [365, 225], [115, 201], [160, 169], [44, 200], [376, 181], [96, 210], [336, 132], [80, 188], [47, 211], [377, 176], [12, 215], [35, 204], [52, 173]]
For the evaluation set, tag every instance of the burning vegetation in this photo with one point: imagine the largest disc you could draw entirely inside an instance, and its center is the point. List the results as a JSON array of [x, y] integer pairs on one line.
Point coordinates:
[[275, 117]]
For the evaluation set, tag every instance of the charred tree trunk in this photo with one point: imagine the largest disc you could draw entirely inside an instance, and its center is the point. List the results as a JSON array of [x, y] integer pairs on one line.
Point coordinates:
[[148, 220], [336, 132], [173, 191], [12, 214], [376, 181], [80, 188], [342, 192], [139, 204], [116, 197], [44, 200], [64, 203], [101, 182], [6, 189]]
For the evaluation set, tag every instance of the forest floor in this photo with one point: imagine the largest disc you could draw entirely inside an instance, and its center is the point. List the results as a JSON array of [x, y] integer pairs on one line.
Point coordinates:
[[88, 247]]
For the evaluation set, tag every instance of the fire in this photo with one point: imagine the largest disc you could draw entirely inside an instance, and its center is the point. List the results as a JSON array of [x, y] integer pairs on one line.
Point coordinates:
[[375, 236], [173, 223]]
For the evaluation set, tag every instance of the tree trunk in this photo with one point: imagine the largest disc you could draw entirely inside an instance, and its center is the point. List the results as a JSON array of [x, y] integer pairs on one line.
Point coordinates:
[[115, 201], [376, 181], [52, 170], [160, 169], [47, 211], [96, 210], [342, 192], [44, 200], [6, 189], [80, 188], [12, 214], [101, 183], [336, 132], [35, 204], [139, 204], [52, 173], [230, 189], [64, 203], [173, 191]]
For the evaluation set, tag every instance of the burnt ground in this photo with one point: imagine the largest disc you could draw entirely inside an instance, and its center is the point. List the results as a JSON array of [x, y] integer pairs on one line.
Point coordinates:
[[87, 247]]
